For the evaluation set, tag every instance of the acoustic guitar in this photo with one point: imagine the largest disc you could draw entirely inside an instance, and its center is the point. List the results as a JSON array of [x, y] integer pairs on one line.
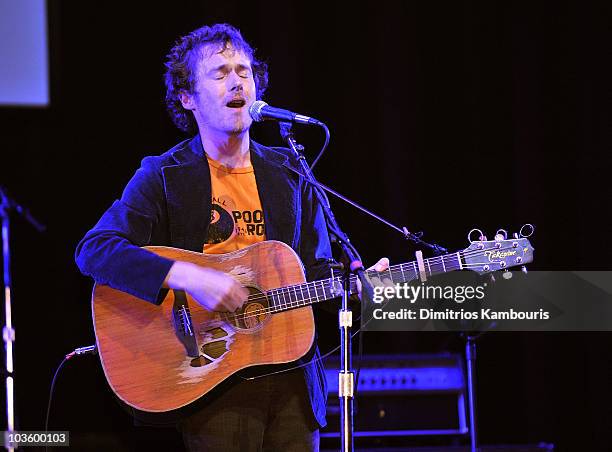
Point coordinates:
[[162, 358]]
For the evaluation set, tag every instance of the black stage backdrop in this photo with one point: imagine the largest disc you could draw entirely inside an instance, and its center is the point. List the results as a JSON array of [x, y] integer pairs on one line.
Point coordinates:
[[444, 116]]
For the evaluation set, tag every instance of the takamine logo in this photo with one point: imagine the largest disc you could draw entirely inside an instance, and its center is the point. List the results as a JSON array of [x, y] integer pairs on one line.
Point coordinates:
[[494, 255]]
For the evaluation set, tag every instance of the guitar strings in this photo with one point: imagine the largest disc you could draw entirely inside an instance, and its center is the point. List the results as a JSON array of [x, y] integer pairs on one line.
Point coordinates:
[[398, 268], [395, 269], [305, 302], [282, 308], [273, 309], [324, 284]]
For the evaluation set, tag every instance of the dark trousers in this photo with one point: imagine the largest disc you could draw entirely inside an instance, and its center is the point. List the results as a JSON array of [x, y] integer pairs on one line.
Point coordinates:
[[271, 413]]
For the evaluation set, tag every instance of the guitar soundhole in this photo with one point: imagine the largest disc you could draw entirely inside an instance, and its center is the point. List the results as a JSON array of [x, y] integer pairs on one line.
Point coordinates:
[[253, 312]]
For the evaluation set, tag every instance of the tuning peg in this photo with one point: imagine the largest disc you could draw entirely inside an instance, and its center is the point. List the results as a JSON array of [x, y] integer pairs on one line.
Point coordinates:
[[501, 234], [492, 278], [482, 238], [527, 230], [507, 274], [478, 233], [524, 269], [515, 235]]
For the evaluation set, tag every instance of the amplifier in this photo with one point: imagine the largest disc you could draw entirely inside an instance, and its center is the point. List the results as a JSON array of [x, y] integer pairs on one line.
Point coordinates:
[[402, 395]]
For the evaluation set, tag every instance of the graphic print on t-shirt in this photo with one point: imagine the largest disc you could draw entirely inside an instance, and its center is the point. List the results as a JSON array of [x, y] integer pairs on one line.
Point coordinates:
[[249, 222], [221, 225], [237, 218]]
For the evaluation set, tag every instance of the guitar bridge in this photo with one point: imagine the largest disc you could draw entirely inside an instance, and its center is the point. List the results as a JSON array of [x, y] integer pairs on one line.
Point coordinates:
[[183, 325]]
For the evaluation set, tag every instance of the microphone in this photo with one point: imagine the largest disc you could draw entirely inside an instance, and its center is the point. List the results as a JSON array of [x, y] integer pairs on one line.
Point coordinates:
[[261, 111]]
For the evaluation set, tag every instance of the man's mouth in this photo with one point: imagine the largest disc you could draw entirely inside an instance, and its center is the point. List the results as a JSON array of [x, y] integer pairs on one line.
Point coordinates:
[[236, 103]]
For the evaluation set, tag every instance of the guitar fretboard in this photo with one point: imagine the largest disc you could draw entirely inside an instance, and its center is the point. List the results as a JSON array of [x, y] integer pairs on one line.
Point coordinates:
[[305, 294]]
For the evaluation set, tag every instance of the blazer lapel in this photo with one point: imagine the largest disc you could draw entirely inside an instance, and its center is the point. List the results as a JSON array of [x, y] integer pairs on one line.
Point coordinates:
[[188, 194], [279, 193]]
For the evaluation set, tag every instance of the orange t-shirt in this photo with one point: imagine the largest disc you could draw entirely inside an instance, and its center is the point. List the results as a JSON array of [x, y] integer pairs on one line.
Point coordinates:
[[237, 217]]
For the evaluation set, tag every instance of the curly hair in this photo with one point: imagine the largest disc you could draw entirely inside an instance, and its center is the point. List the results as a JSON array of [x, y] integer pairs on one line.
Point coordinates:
[[181, 64]]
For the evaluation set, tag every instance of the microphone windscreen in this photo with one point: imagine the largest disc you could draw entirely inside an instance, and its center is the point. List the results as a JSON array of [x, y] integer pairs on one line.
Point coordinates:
[[255, 110]]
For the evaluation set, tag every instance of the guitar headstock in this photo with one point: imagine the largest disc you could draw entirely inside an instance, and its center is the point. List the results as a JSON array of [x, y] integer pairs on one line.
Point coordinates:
[[485, 256]]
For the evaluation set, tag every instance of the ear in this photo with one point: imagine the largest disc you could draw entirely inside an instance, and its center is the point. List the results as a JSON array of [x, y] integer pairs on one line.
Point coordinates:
[[186, 100]]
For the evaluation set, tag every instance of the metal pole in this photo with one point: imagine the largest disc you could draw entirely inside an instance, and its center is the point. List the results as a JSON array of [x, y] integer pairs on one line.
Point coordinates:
[[345, 376], [8, 333], [7, 205], [470, 355]]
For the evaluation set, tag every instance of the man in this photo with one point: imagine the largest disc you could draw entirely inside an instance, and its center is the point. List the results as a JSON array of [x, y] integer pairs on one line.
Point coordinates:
[[216, 193]]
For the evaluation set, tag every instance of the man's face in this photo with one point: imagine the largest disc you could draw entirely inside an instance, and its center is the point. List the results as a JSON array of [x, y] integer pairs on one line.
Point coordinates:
[[223, 92]]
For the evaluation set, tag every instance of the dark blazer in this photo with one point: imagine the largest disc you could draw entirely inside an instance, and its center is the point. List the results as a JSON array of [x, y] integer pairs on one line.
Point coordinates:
[[168, 202]]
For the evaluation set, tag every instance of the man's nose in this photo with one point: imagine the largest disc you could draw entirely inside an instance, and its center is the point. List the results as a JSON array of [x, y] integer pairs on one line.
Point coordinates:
[[236, 83]]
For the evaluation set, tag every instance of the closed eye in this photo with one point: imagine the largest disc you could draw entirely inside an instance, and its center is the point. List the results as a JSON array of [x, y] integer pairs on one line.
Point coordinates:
[[219, 73], [244, 73]]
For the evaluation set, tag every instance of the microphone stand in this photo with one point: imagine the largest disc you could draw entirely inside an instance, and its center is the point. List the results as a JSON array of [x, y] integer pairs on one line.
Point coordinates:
[[470, 357], [8, 332], [345, 318]]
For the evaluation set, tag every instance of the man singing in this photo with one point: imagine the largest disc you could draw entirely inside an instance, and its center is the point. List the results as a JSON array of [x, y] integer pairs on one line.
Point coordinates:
[[215, 193]]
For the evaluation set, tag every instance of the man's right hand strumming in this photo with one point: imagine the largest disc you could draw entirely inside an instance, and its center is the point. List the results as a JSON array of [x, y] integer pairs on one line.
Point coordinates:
[[211, 289]]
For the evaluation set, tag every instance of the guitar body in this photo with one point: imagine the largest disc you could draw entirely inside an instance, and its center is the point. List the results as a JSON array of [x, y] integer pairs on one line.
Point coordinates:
[[161, 358]]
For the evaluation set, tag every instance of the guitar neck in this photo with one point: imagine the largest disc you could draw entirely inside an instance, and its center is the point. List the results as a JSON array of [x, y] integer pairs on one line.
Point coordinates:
[[306, 294]]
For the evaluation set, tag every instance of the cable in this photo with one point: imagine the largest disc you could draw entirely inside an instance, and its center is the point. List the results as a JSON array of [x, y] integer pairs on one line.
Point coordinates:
[[323, 148], [66, 358], [89, 350], [359, 357]]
